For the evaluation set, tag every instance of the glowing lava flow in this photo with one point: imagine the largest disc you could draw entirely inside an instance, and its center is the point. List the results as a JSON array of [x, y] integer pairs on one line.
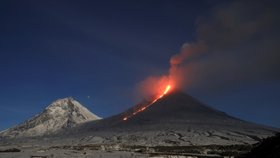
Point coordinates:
[[146, 106]]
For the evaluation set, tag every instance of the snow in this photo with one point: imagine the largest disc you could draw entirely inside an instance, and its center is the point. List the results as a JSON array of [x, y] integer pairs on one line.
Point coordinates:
[[61, 114]]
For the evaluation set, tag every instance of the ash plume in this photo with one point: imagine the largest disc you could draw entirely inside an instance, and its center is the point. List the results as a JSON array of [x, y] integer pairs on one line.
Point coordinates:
[[237, 43]]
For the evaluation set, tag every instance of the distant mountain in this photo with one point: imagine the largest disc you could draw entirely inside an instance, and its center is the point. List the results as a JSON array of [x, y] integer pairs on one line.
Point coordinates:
[[175, 119], [61, 114]]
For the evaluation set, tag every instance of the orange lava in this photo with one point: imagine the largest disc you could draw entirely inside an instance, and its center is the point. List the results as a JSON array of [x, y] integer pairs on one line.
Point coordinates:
[[167, 89]]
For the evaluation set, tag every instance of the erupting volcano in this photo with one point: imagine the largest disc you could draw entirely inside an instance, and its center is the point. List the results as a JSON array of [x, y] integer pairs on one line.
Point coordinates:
[[174, 117], [167, 89]]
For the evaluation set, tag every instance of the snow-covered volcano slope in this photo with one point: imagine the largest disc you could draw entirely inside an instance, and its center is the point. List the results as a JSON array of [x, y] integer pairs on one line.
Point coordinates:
[[61, 114], [177, 118]]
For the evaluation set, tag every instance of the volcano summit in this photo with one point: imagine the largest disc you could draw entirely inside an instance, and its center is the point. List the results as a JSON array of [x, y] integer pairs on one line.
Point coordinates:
[[174, 119]]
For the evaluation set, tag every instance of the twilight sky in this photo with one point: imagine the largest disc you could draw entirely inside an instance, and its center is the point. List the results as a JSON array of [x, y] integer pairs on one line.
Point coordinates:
[[99, 52]]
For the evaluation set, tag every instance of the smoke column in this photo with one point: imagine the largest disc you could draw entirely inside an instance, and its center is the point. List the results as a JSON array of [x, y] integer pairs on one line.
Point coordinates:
[[178, 71], [237, 42]]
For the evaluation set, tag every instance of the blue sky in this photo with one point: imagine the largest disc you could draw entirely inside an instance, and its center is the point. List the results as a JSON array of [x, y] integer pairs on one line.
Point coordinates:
[[51, 50]]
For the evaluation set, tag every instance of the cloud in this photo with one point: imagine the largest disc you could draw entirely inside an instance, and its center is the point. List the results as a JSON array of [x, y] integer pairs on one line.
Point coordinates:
[[237, 43], [242, 40]]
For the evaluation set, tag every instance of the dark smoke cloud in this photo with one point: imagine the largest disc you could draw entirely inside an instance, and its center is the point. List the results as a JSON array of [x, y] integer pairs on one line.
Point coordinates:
[[237, 43], [242, 40]]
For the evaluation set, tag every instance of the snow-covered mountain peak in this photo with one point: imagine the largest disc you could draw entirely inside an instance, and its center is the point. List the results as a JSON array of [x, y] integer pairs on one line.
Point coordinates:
[[61, 114], [61, 102], [70, 107]]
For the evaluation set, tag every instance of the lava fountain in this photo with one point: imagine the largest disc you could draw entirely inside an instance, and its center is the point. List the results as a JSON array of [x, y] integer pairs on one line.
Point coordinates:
[[166, 90]]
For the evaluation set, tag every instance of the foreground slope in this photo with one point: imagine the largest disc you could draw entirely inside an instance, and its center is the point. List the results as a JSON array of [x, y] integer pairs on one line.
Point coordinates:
[[268, 148], [61, 114], [175, 119]]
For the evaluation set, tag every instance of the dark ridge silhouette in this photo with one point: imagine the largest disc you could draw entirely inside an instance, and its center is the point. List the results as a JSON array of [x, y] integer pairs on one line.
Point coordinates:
[[267, 148]]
